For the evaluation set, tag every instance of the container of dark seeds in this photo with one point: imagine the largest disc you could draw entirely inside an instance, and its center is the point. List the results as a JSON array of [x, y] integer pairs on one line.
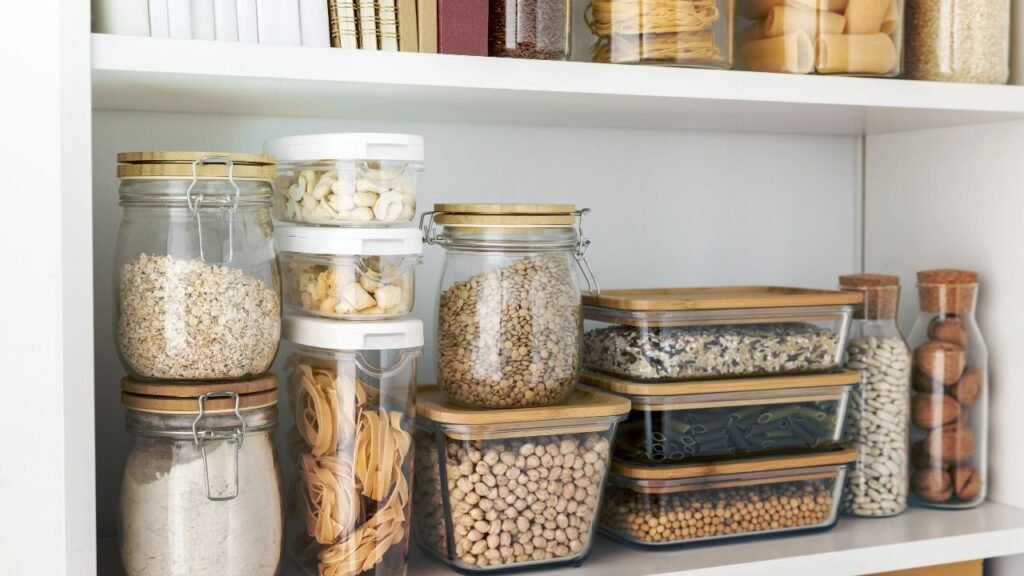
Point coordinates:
[[537, 29]]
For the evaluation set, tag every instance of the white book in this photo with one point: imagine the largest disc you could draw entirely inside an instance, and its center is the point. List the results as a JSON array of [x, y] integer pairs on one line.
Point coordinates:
[[203, 25], [387, 21], [367, 25], [278, 22], [248, 30], [158, 25], [179, 19], [344, 31], [127, 17], [225, 18], [313, 22]]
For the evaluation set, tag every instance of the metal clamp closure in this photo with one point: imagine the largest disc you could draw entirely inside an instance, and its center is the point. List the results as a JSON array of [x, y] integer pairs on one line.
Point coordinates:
[[582, 246], [203, 437], [429, 229], [194, 205]]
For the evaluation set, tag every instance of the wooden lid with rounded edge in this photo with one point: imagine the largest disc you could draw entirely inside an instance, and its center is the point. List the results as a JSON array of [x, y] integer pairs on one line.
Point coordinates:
[[716, 298], [183, 398], [505, 214], [689, 388], [947, 277], [431, 404], [881, 294], [187, 157], [836, 457]]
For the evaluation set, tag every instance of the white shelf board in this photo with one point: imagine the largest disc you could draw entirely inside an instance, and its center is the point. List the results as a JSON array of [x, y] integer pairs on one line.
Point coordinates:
[[138, 73]]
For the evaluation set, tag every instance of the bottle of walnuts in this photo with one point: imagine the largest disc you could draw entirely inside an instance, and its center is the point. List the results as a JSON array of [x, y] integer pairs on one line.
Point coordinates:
[[949, 408]]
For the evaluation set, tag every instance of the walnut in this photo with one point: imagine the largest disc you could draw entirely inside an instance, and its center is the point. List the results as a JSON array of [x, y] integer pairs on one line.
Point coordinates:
[[950, 330], [927, 384], [967, 482], [941, 361], [968, 389], [951, 443], [934, 410], [932, 485]]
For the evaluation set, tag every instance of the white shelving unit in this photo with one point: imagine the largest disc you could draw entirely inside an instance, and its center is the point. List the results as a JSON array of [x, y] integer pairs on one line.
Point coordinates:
[[695, 177]]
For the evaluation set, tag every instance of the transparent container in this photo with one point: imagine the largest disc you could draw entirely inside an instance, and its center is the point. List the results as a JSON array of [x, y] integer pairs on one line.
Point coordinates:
[[347, 179], [848, 37], [511, 489], [508, 329], [694, 333], [198, 294], [352, 389], [349, 273], [959, 41], [949, 407], [537, 29], [201, 489], [879, 417], [659, 506], [676, 422]]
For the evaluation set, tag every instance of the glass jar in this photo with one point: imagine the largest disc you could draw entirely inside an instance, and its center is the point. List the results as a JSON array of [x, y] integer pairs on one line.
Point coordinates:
[[959, 41], [509, 323], [347, 179], [201, 490], [949, 407], [695, 33], [198, 290], [878, 420], [352, 388], [537, 29], [850, 37]]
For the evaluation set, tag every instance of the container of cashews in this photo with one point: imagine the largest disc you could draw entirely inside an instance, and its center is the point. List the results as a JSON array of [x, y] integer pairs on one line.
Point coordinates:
[[351, 387], [347, 179], [349, 273]]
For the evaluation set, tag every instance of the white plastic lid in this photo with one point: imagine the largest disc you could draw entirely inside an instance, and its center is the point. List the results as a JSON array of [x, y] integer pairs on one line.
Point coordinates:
[[349, 241], [336, 335], [352, 146]]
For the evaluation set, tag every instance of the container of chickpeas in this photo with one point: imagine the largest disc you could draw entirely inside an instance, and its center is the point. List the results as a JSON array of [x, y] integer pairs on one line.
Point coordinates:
[[700, 502], [515, 488]]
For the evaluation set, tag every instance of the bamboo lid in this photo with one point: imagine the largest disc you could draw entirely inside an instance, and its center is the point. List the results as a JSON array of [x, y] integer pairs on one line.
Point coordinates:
[[183, 398], [881, 294], [505, 214], [177, 157], [947, 290], [835, 457], [179, 165], [689, 388], [716, 298], [431, 404]]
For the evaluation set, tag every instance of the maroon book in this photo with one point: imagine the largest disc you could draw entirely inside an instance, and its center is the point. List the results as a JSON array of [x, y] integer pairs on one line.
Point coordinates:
[[462, 27]]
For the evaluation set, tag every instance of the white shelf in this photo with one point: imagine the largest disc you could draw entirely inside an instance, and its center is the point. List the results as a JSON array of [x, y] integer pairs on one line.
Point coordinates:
[[134, 73]]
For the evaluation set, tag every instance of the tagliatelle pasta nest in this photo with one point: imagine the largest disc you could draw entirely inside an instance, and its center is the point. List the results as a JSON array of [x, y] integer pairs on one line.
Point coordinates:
[[633, 17]]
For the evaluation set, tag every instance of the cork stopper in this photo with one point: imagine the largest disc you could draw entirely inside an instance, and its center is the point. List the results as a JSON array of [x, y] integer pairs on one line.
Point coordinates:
[[881, 294], [947, 291]]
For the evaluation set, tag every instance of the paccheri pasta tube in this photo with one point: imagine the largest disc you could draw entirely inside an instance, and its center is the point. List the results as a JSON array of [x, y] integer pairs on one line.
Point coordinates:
[[783, 20], [792, 53], [867, 54]]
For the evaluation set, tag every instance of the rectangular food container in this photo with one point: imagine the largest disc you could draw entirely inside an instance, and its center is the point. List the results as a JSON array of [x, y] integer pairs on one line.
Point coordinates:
[[515, 488], [700, 502], [699, 333], [672, 422]]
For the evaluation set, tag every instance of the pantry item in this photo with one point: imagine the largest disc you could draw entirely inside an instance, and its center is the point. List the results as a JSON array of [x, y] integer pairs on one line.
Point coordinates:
[[537, 29], [352, 389], [853, 37], [198, 291], [516, 488], [691, 333], [672, 422], [877, 423], [201, 490], [695, 33], [959, 41], [347, 179], [508, 329], [349, 273], [699, 502], [949, 405]]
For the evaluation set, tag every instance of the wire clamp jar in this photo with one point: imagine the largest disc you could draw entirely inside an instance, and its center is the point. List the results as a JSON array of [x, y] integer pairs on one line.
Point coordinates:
[[195, 206], [202, 437]]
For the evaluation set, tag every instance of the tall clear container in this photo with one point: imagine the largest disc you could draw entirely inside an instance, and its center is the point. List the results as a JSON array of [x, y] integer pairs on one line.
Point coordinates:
[[878, 418], [949, 408], [537, 29], [959, 41]]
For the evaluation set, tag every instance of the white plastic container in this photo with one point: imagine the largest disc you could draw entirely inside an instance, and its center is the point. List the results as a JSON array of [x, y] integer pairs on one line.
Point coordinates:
[[345, 179], [349, 273]]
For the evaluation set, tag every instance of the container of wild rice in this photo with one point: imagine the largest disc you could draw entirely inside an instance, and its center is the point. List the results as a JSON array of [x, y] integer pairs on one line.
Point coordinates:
[[701, 502], [708, 333], [674, 422]]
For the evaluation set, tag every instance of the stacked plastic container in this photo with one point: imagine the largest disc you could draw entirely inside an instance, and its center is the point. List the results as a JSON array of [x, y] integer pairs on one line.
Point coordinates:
[[343, 205], [738, 403]]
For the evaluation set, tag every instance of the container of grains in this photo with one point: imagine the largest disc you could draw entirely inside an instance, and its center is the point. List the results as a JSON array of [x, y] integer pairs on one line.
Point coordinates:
[[347, 179], [851, 37], [349, 273], [949, 404], [517, 488], [201, 490], [198, 290], [537, 29], [959, 41], [508, 328], [700, 502], [879, 417], [696, 33], [352, 390], [672, 422], [694, 333]]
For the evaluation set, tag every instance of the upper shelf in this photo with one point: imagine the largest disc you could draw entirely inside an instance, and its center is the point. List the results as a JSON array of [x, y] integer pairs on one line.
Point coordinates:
[[137, 73]]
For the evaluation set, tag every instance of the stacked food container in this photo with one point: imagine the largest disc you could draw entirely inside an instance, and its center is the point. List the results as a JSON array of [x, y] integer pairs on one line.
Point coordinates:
[[344, 203], [738, 406]]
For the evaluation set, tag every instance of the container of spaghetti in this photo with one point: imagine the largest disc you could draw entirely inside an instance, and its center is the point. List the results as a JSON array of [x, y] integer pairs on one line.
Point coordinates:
[[696, 33], [674, 422]]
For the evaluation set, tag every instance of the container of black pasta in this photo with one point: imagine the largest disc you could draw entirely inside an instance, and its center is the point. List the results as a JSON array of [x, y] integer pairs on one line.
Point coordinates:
[[675, 422]]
